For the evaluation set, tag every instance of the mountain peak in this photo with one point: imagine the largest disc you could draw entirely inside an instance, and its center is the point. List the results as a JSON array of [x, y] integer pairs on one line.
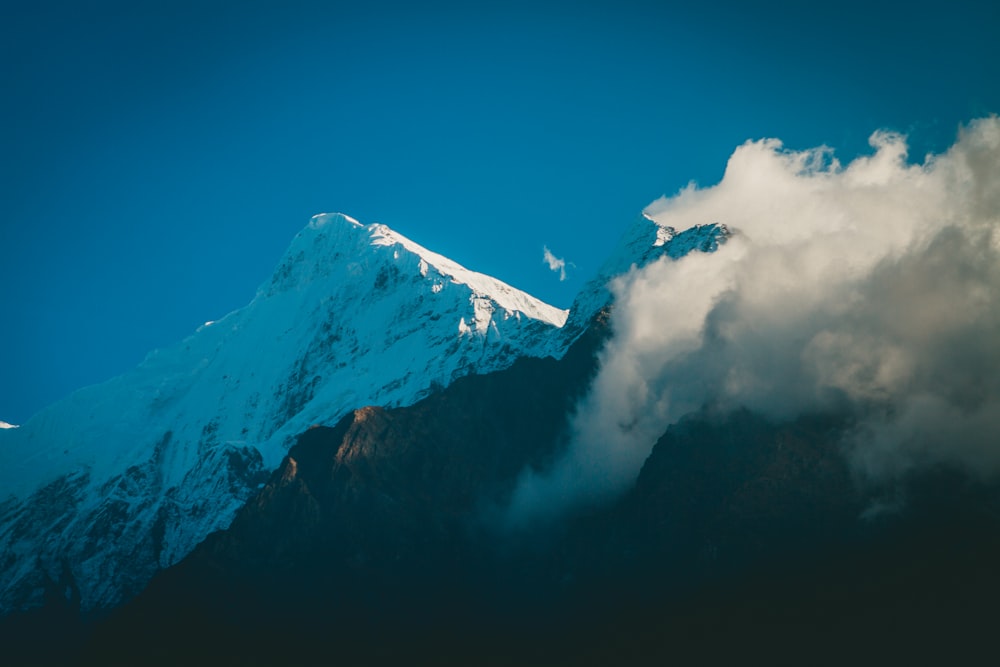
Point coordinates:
[[353, 315], [334, 243], [322, 219], [163, 455], [645, 241]]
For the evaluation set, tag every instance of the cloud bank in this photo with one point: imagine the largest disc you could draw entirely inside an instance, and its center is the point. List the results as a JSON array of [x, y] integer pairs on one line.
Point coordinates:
[[555, 264], [872, 287]]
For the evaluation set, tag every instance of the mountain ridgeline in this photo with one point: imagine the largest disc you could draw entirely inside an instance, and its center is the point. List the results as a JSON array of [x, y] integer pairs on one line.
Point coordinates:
[[323, 478]]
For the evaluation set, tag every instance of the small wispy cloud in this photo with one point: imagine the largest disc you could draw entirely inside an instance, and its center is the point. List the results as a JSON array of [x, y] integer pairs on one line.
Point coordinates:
[[555, 263]]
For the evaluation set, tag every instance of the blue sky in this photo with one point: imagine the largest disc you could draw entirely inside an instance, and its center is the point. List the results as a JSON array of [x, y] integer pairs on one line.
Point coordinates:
[[156, 158]]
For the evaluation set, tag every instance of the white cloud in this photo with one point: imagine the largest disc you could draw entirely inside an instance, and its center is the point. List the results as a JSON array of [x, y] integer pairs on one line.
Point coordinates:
[[555, 264], [874, 286]]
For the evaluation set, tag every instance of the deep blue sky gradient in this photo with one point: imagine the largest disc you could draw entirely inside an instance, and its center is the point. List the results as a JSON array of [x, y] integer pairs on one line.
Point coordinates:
[[157, 158]]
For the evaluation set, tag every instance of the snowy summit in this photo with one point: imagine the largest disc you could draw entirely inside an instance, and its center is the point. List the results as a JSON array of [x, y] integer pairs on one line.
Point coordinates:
[[123, 479], [353, 315]]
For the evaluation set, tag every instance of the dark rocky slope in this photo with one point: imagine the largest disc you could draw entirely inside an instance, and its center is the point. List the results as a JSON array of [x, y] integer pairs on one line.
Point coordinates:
[[373, 544], [740, 541], [380, 523]]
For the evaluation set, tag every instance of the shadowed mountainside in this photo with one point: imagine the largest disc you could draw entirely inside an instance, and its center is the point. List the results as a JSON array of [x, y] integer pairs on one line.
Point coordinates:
[[373, 544], [376, 543]]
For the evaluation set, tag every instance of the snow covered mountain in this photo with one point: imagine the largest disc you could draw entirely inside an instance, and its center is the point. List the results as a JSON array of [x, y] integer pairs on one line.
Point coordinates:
[[119, 480]]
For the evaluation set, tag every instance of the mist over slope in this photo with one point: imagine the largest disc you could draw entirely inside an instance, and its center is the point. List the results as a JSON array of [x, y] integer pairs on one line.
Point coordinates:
[[871, 288]]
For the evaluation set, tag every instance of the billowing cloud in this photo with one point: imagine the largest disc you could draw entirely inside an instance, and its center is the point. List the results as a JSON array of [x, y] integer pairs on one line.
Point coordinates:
[[555, 264], [872, 287]]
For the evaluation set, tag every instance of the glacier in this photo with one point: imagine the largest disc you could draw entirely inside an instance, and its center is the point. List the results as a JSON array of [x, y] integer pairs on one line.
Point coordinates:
[[103, 489]]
